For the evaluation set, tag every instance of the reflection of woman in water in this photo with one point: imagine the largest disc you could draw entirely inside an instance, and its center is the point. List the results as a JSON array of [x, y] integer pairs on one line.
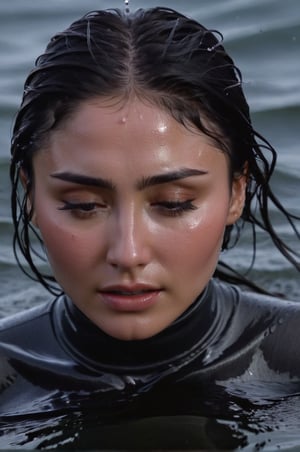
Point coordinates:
[[139, 164]]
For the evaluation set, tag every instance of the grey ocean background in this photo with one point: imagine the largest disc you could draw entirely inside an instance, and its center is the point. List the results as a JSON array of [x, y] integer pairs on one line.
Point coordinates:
[[263, 36]]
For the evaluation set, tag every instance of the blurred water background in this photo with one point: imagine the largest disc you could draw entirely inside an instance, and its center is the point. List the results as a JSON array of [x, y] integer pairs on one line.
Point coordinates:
[[263, 36]]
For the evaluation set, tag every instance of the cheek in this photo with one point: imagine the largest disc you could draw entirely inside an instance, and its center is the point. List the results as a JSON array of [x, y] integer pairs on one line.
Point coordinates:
[[205, 229], [61, 248], [68, 253], [196, 247], [204, 242]]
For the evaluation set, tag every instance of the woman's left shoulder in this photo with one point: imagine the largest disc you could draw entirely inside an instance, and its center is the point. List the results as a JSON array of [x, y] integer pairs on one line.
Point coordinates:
[[277, 320], [246, 298], [258, 311], [281, 343]]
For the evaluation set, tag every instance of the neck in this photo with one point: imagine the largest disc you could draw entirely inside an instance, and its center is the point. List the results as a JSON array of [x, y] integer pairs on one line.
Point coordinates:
[[188, 336]]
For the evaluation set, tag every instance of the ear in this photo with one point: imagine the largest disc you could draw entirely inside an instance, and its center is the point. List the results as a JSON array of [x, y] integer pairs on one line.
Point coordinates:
[[29, 201], [238, 195]]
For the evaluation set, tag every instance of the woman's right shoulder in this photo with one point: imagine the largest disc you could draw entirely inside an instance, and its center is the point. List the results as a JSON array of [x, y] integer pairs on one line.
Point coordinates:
[[25, 318]]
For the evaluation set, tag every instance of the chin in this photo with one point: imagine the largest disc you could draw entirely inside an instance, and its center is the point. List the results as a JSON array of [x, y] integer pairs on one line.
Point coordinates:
[[132, 332], [130, 335]]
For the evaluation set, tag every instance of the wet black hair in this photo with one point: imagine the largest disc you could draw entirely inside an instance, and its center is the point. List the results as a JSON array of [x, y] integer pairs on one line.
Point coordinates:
[[176, 63]]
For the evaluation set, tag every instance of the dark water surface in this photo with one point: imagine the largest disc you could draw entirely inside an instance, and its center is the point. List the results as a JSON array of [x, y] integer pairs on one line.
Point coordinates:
[[265, 425], [263, 36]]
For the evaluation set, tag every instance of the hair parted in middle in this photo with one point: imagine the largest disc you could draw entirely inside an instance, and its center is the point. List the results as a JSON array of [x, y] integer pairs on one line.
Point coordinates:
[[168, 59]]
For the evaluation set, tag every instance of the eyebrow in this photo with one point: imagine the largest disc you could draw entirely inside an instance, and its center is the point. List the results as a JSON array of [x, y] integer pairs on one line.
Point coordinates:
[[158, 179], [171, 176], [81, 179]]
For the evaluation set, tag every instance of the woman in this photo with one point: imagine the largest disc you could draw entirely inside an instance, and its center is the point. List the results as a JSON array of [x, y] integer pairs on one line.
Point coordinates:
[[134, 164]]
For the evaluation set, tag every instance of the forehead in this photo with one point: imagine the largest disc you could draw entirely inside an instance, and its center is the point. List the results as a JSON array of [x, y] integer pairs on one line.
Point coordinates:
[[122, 113], [114, 131]]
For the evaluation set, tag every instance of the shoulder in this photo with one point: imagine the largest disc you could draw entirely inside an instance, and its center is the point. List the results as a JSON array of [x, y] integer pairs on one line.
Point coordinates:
[[264, 317], [29, 339], [258, 325], [265, 312], [276, 320], [248, 318], [281, 347], [29, 328], [23, 318], [250, 300]]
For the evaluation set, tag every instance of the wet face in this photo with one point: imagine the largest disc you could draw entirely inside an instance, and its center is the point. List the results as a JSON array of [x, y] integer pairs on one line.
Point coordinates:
[[132, 209]]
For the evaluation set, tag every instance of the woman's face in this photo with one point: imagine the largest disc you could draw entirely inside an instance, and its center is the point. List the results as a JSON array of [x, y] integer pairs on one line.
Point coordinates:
[[132, 208]]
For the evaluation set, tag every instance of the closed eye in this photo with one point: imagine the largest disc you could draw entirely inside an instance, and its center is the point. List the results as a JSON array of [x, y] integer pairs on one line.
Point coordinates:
[[175, 208], [83, 210], [86, 206]]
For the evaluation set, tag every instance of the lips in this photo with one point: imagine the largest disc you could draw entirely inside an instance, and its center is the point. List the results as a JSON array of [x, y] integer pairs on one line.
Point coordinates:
[[137, 297]]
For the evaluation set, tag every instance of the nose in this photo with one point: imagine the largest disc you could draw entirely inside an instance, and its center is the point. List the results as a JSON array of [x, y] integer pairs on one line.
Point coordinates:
[[128, 245]]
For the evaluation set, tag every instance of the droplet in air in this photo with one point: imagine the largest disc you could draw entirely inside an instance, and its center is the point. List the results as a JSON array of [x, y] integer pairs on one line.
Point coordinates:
[[126, 2]]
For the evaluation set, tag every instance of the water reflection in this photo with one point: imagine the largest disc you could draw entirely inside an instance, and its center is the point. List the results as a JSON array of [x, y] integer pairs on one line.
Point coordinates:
[[209, 419]]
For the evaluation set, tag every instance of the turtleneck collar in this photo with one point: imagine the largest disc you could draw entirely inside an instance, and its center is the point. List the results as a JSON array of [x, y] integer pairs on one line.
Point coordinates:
[[184, 339]]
